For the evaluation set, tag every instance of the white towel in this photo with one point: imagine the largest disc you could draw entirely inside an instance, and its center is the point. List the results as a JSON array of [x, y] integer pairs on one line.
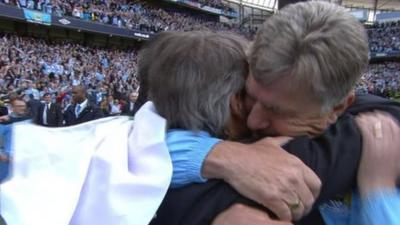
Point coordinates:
[[112, 171]]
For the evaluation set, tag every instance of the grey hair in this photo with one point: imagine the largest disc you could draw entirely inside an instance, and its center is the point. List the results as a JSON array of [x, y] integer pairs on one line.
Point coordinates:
[[146, 58], [193, 77], [318, 44]]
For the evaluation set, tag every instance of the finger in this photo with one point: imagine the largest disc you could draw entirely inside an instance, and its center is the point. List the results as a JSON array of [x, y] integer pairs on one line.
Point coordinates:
[[390, 127], [298, 212], [312, 181], [306, 198], [280, 209], [387, 118], [280, 141]]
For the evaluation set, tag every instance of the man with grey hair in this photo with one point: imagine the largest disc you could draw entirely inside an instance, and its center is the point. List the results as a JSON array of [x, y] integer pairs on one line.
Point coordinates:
[[297, 55], [192, 96]]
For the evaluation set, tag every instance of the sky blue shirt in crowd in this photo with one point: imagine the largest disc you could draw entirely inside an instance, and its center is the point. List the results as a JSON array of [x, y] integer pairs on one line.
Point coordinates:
[[189, 149]]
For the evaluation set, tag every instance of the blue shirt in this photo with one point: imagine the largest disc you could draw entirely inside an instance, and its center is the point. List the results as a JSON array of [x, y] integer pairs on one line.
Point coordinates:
[[379, 208], [188, 150]]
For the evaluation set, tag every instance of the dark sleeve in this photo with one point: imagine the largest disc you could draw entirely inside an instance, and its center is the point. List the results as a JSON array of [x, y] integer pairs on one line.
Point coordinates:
[[67, 116], [124, 109], [196, 204], [98, 113], [3, 111], [59, 116], [36, 118], [334, 156]]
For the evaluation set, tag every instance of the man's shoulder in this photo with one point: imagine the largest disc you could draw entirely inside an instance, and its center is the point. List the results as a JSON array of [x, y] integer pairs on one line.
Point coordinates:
[[368, 103], [70, 109]]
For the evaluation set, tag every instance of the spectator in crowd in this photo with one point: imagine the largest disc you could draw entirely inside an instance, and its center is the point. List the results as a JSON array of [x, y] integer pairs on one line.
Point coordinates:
[[31, 90], [33, 106], [104, 106], [129, 107], [19, 112], [113, 106], [49, 114], [81, 110]]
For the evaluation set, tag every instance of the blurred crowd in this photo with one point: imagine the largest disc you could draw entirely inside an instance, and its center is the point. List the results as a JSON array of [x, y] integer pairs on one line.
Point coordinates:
[[213, 3], [135, 14], [31, 67], [148, 17], [381, 79], [385, 37]]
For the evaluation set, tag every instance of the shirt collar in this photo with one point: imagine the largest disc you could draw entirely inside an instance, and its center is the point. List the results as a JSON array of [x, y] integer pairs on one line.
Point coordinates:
[[83, 104]]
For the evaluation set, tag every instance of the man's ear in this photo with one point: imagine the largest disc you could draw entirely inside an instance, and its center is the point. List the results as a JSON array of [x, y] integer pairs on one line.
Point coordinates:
[[341, 107]]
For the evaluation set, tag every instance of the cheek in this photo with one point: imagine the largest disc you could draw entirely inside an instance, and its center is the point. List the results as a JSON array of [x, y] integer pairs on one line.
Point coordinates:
[[283, 127], [279, 125]]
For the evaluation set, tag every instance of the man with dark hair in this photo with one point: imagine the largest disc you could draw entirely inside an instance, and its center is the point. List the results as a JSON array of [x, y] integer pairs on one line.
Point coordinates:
[[81, 110], [49, 114], [19, 112], [129, 108], [33, 106]]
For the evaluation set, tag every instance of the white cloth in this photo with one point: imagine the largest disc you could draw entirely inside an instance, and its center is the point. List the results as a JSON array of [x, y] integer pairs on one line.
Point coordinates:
[[112, 171]]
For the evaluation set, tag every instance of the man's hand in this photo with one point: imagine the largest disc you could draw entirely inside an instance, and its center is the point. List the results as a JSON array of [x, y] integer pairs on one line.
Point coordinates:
[[379, 167], [267, 174], [239, 214]]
